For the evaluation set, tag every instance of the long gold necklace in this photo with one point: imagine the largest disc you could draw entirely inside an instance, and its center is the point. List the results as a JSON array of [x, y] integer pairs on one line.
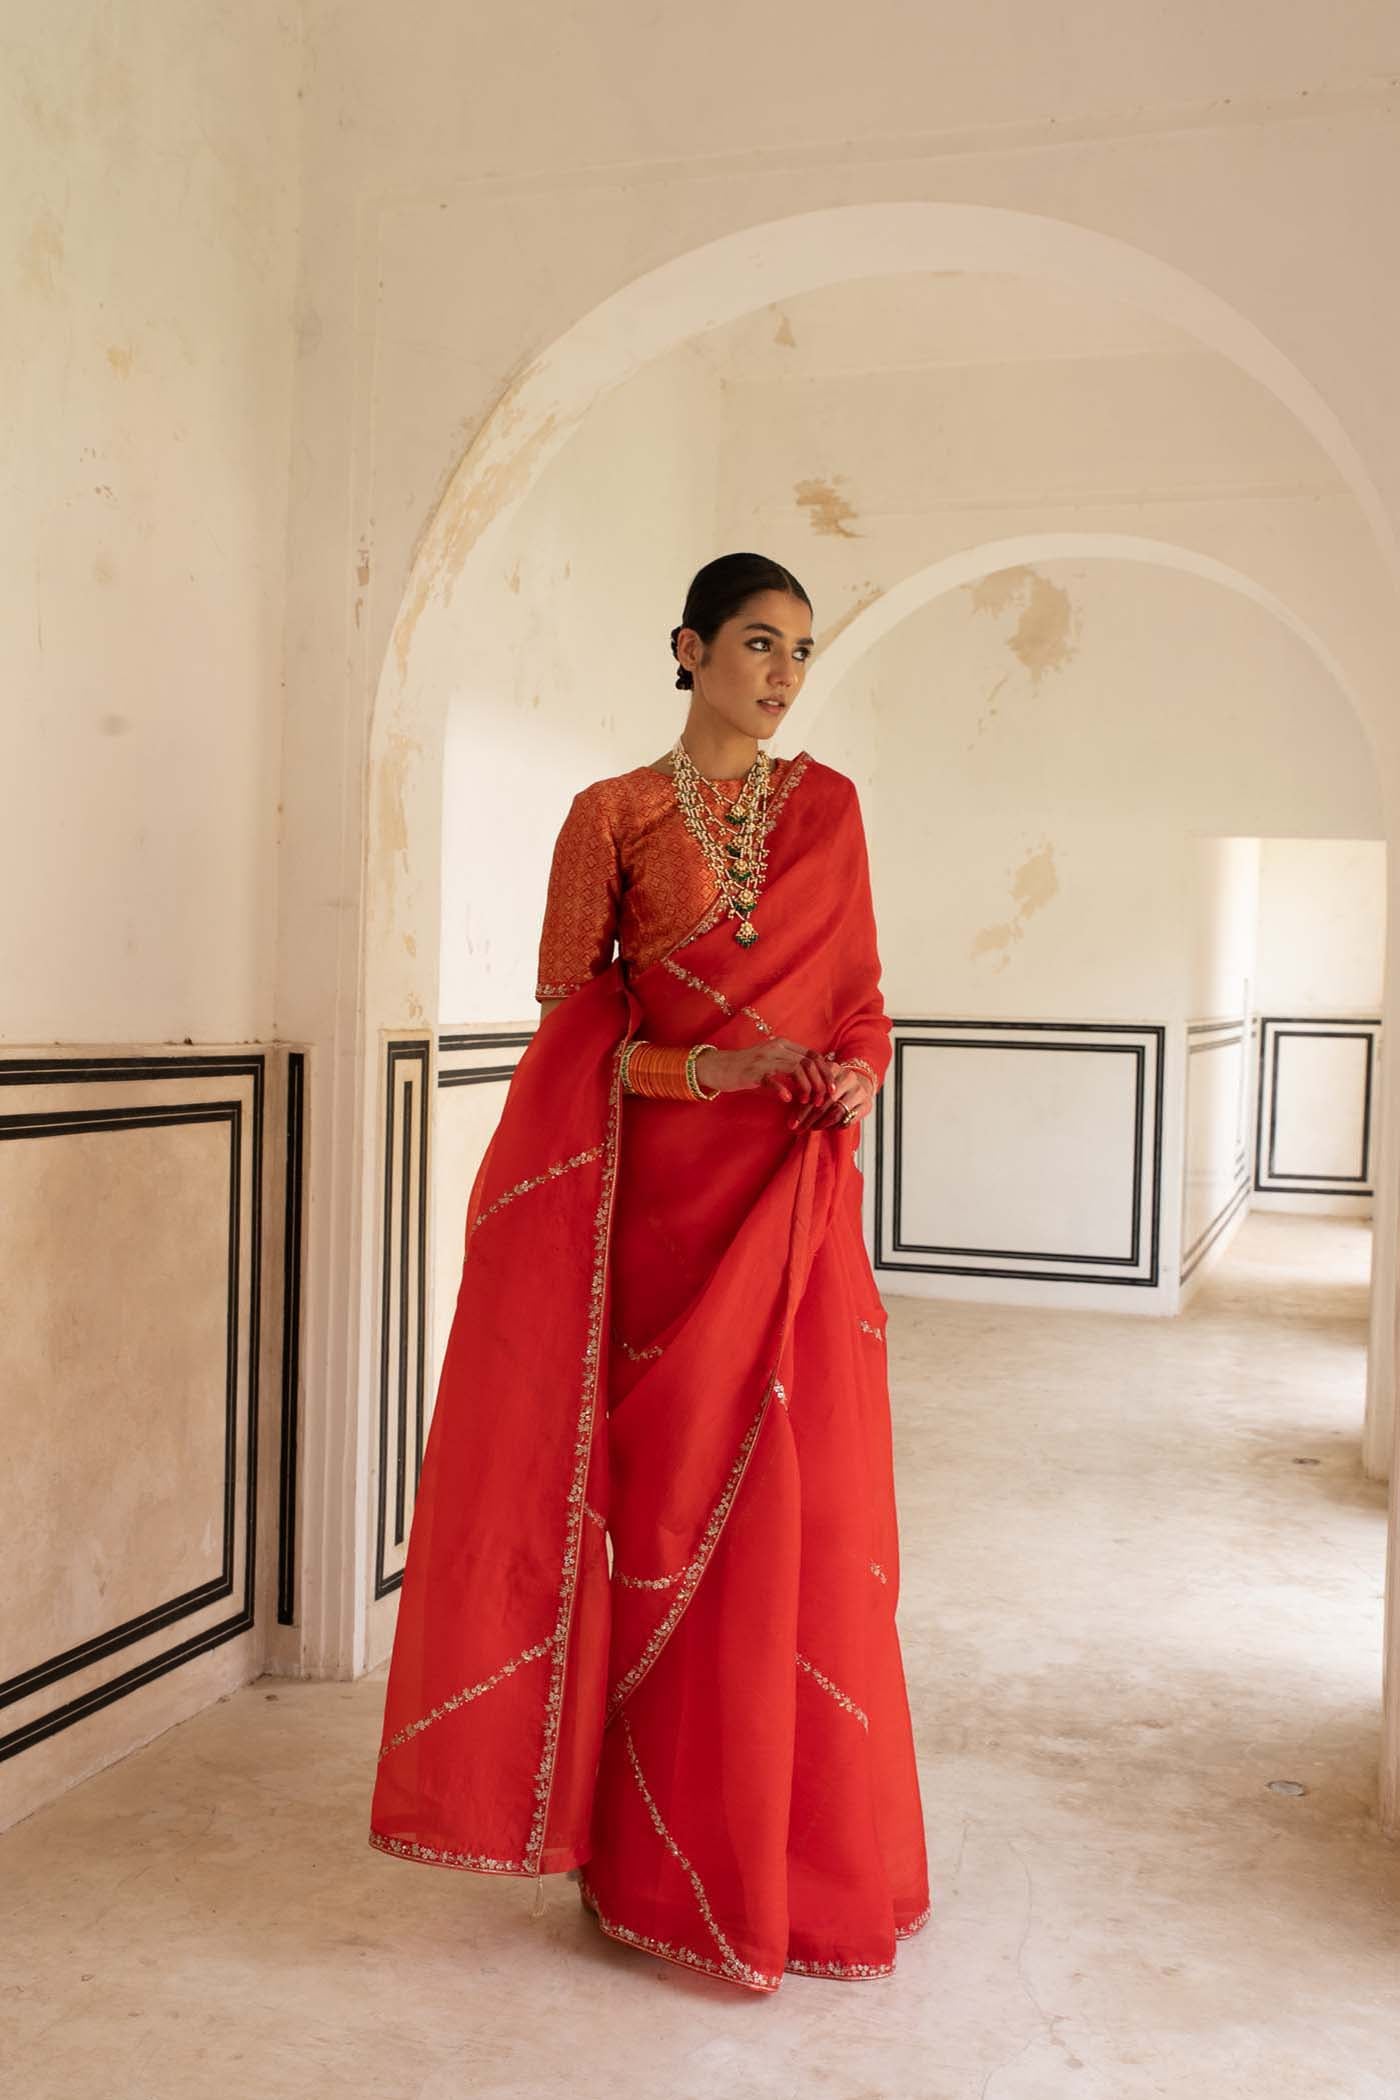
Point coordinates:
[[734, 838]]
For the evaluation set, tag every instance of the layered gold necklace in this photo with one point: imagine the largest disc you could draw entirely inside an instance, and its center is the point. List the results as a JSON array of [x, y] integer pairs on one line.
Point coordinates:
[[733, 836]]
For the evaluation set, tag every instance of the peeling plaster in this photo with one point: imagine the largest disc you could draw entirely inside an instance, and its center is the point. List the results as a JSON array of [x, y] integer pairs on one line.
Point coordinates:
[[827, 510], [469, 507], [392, 834], [513, 580], [1046, 634], [783, 333], [1034, 884]]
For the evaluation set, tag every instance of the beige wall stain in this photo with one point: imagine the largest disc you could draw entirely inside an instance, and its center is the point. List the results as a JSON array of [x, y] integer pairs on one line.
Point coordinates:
[[1034, 884], [43, 253], [828, 511], [392, 830], [783, 334], [119, 357], [513, 580], [1045, 637], [868, 595]]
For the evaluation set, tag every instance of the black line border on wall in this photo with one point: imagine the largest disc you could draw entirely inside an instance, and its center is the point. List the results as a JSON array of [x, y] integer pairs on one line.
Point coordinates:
[[1195, 1254], [72, 1071], [926, 1034], [1274, 1028], [417, 1054], [291, 1339]]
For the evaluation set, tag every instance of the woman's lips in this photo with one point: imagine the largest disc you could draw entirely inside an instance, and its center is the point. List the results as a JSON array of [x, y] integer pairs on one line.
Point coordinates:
[[772, 707]]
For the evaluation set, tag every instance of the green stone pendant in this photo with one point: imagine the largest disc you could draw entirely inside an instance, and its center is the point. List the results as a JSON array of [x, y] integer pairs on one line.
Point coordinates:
[[747, 934], [736, 814]]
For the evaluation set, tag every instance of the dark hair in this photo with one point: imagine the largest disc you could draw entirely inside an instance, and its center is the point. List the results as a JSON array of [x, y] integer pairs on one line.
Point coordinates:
[[723, 588]]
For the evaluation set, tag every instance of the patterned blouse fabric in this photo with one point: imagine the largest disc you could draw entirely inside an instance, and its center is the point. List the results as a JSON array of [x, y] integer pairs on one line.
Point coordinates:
[[627, 873]]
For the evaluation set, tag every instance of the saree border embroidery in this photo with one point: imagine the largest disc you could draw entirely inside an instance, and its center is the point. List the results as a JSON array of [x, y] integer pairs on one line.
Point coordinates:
[[595, 1516], [464, 1697], [841, 1968], [866, 1328], [841, 1698], [698, 984], [733, 1964], [648, 1582], [583, 1445], [694, 1568], [523, 1188], [878, 1572], [470, 1862], [683, 1957], [638, 1356]]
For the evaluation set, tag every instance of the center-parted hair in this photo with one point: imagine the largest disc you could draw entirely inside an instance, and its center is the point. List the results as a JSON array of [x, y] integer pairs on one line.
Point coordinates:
[[723, 588]]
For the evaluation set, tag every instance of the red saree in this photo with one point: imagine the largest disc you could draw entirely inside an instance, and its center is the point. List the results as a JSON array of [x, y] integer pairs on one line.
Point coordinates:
[[668, 1330]]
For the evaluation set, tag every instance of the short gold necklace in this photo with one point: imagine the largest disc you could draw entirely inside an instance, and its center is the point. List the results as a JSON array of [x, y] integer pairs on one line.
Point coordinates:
[[734, 839]]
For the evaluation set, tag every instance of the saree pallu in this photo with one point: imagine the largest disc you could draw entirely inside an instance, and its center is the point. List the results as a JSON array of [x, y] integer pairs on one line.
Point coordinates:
[[668, 1332]]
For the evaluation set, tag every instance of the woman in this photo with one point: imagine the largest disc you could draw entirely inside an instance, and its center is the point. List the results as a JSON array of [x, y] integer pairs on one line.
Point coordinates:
[[668, 1343]]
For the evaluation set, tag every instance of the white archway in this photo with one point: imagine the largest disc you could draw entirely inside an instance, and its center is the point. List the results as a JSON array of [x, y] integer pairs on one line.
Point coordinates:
[[906, 597], [692, 293]]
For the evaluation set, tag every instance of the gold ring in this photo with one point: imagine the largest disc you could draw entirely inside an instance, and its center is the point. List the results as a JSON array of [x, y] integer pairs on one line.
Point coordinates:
[[849, 1116]]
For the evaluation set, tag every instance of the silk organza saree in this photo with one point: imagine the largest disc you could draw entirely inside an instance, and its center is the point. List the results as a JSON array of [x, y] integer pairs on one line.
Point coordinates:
[[668, 1340]]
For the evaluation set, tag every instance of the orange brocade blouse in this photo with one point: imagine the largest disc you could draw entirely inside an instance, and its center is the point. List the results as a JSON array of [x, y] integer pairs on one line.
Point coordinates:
[[625, 872]]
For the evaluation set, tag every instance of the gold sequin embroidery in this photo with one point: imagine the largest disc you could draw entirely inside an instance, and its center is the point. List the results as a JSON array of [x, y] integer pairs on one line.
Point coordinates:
[[648, 1582], [878, 1572], [840, 1968], [866, 1328], [523, 1188], [464, 1697], [835, 1691], [698, 984], [694, 1569], [667, 1950], [639, 1356], [733, 1965], [595, 1517], [583, 1444], [471, 1862]]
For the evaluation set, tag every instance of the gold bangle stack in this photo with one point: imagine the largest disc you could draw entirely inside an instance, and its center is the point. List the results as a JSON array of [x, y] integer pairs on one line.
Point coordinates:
[[661, 1073]]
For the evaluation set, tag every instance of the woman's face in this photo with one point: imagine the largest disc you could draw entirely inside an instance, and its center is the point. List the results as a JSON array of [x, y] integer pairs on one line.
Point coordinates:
[[752, 671]]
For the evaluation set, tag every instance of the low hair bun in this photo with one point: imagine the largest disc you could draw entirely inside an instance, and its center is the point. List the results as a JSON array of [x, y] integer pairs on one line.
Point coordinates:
[[684, 681]]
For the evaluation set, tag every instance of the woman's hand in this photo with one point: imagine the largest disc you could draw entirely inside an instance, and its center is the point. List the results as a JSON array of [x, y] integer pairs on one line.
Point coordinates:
[[821, 1088], [851, 1097]]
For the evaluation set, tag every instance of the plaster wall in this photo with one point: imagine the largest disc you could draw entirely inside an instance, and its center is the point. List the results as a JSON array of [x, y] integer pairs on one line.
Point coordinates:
[[149, 205]]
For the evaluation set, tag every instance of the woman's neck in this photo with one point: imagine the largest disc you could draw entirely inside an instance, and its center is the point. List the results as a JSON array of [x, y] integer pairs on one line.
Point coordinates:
[[716, 748]]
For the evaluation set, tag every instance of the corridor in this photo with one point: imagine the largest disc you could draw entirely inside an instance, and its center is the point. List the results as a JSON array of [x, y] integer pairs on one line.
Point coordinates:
[[1142, 1585]]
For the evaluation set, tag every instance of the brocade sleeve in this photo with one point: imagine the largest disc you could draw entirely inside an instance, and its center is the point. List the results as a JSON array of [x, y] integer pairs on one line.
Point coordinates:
[[581, 909]]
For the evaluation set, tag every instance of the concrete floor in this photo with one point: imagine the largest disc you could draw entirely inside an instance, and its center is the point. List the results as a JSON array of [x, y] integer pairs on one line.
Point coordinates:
[[1142, 1581]]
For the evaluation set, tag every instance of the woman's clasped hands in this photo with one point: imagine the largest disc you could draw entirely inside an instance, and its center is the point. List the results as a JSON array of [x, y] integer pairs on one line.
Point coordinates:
[[826, 1093]]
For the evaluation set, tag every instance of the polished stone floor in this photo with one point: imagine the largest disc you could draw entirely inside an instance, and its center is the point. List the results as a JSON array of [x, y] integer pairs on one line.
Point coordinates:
[[1143, 1583]]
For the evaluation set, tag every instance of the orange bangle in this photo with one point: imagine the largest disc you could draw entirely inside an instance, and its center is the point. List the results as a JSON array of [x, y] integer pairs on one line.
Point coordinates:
[[660, 1072]]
